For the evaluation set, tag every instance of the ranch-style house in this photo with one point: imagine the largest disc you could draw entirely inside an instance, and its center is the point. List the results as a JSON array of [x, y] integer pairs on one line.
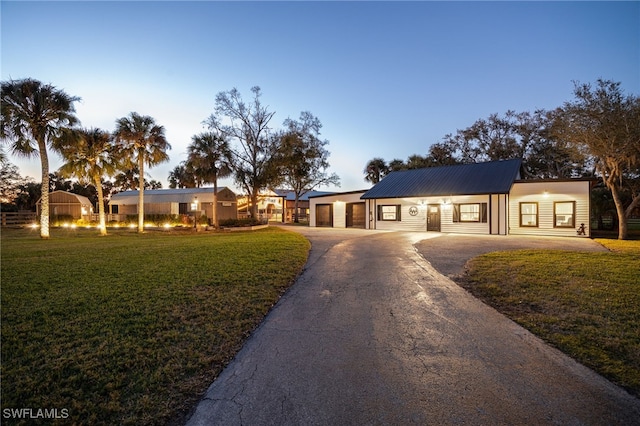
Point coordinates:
[[481, 198]]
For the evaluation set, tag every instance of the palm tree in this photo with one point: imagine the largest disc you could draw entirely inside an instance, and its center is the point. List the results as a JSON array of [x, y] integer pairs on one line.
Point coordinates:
[[209, 156], [145, 143], [375, 170], [89, 156], [182, 176], [35, 112]]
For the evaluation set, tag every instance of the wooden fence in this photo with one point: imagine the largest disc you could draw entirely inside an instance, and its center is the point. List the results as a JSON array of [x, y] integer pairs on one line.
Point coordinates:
[[18, 218]]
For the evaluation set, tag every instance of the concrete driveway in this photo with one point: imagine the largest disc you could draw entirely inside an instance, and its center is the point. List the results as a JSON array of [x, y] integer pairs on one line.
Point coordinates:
[[371, 333]]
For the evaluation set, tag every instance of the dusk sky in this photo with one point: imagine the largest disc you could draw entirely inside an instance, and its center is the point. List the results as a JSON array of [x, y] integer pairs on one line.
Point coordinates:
[[386, 79]]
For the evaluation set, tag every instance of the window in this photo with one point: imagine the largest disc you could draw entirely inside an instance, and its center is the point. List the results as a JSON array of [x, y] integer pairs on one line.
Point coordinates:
[[529, 214], [390, 213], [564, 214], [470, 212]]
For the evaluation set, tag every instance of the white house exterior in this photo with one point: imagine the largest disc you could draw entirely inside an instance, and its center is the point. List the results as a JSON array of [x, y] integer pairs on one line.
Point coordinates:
[[549, 207], [481, 198]]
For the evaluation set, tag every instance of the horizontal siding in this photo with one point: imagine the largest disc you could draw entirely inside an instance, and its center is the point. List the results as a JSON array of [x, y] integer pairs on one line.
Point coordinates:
[[407, 222], [157, 208], [577, 191], [419, 222], [446, 216]]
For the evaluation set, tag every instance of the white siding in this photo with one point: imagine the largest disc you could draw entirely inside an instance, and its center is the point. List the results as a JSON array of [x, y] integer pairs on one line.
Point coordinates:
[[419, 221], [448, 225], [339, 214], [498, 214], [546, 194], [406, 222]]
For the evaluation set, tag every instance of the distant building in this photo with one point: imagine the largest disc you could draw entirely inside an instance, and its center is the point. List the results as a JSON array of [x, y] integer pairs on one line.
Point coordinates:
[[179, 201], [279, 205], [63, 204]]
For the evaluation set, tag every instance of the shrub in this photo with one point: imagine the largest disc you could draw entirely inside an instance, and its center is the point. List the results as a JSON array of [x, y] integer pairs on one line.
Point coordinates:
[[235, 223]]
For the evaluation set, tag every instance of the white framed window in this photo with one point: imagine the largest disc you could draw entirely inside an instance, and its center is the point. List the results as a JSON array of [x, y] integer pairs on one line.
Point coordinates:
[[564, 213], [529, 214], [389, 212]]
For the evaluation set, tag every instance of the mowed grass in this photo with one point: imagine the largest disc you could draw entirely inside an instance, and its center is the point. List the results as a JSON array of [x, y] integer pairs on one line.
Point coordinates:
[[129, 328], [585, 304]]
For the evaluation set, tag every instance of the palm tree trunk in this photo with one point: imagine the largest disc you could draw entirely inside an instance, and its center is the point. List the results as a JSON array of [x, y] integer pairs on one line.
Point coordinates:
[[101, 213], [215, 202], [44, 202], [141, 193]]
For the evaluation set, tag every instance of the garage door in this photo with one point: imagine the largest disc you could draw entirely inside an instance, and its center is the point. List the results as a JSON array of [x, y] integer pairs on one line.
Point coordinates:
[[356, 215], [324, 215]]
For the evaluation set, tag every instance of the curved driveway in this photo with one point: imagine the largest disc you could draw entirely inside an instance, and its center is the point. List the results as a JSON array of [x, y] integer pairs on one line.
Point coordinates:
[[372, 334]]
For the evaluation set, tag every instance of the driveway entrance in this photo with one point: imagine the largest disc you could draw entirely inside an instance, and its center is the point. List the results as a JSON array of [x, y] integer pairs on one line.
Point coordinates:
[[371, 333]]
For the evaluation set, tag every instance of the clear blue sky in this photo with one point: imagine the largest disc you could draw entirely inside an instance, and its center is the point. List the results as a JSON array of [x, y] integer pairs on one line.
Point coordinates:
[[386, 79]]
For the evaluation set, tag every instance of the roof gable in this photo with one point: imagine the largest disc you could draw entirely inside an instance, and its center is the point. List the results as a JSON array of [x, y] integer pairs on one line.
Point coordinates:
[[494, 177]]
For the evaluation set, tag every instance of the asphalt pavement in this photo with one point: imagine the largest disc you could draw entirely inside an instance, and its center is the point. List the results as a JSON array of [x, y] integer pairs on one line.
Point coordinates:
[[372, 333]]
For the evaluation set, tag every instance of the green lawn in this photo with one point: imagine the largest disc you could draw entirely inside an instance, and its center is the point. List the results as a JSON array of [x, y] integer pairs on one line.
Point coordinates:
[[129, 328], [585, 304]]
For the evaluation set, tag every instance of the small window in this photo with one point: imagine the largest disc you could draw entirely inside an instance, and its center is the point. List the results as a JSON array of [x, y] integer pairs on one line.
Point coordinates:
[[564, 214], [529, 214], [389, 213]]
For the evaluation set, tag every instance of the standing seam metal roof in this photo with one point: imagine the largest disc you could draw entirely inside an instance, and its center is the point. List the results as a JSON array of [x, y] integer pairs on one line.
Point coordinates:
[[494, 177], [173, 195], [291, 196]]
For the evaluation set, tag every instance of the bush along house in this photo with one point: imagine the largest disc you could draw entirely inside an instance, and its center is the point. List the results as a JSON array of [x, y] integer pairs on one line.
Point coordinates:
[[481, 198]]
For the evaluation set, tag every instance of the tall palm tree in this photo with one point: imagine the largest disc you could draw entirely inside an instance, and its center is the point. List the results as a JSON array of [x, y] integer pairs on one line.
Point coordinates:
[[90, 155], [35, 112], [209, 156], [145, 143]]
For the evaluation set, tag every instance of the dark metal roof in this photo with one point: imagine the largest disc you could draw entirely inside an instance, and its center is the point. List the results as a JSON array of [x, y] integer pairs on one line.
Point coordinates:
[[494, 177], [328, 194], [291, 196]]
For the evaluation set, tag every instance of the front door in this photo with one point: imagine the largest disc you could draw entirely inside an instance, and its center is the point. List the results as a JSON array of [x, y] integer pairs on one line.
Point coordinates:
[[433, 218]]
